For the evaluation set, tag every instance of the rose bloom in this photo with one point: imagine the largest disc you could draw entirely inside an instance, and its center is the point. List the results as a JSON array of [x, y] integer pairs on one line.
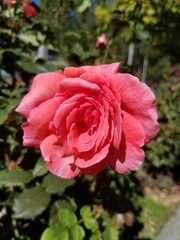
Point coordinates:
[[101, 40], [28, 9], [85, 119]]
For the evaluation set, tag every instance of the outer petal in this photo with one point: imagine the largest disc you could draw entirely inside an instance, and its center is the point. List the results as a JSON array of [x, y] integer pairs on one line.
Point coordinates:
[[77, 84], [132, 129], [73, 72], [130, 155], [138, 100], [44, 87], [37, 127], [128, 159], [62, 166], [95, 78], [90, 158], [96, 168], [104, 69]]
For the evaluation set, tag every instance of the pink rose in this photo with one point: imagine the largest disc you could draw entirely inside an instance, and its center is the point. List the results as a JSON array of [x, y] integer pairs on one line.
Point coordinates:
[[29, 10], [101, 40], [85, 119]]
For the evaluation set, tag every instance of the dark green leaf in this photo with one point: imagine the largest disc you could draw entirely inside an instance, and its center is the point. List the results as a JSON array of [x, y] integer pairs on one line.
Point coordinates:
[[6, 92], [56, 184], [9, 107], [15, 177], [31, 203], [4, 113], [17, 91], [28, 66], [16, 51], [40, 168]]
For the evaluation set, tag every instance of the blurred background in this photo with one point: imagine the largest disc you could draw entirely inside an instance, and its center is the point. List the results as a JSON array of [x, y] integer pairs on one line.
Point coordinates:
[[40, 36]]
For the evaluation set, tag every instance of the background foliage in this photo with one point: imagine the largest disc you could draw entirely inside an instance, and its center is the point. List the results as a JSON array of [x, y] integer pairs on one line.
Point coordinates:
[[34, 203]]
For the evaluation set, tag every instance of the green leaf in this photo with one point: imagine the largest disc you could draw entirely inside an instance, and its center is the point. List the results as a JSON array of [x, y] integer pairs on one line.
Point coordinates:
[[56, 232], [77, 232], [12, 103], [85, 211], [28, 66], [16, 51], [18, 91], [91, 223], [15, 177], [86, 4], [95, 236], [6, 92], [66, 217], [56, 184], [109, 3], [40, 168], [55, 207], [4, 113], [78, 50], [73, 34], [110, 233], [142, 35], [8, 108], [31, 203]]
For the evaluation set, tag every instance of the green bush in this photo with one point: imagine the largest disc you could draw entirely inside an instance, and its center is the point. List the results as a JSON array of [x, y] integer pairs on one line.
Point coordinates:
[[163, 152], [34, 203]]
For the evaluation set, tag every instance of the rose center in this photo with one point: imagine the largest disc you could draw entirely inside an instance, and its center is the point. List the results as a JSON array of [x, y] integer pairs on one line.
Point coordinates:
[[91, 119]]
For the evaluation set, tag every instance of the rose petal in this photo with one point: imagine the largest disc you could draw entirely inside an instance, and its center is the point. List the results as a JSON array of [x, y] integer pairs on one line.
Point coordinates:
[[132, 129], [95, 78], [104, 69], [79, 136], [128, 158], [77, 84], [47, 147], [138, 100], [114, 110], [37, 127], [62, 166], [73, 72], [44, 87], [96, 168], [64, 110], [130, 155], [91, 158]]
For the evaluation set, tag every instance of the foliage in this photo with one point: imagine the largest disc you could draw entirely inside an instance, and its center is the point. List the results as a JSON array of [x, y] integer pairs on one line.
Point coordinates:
[[96, 221], [154, 215], [155, 23], [33, 196], [38, 205], [164, 157]]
